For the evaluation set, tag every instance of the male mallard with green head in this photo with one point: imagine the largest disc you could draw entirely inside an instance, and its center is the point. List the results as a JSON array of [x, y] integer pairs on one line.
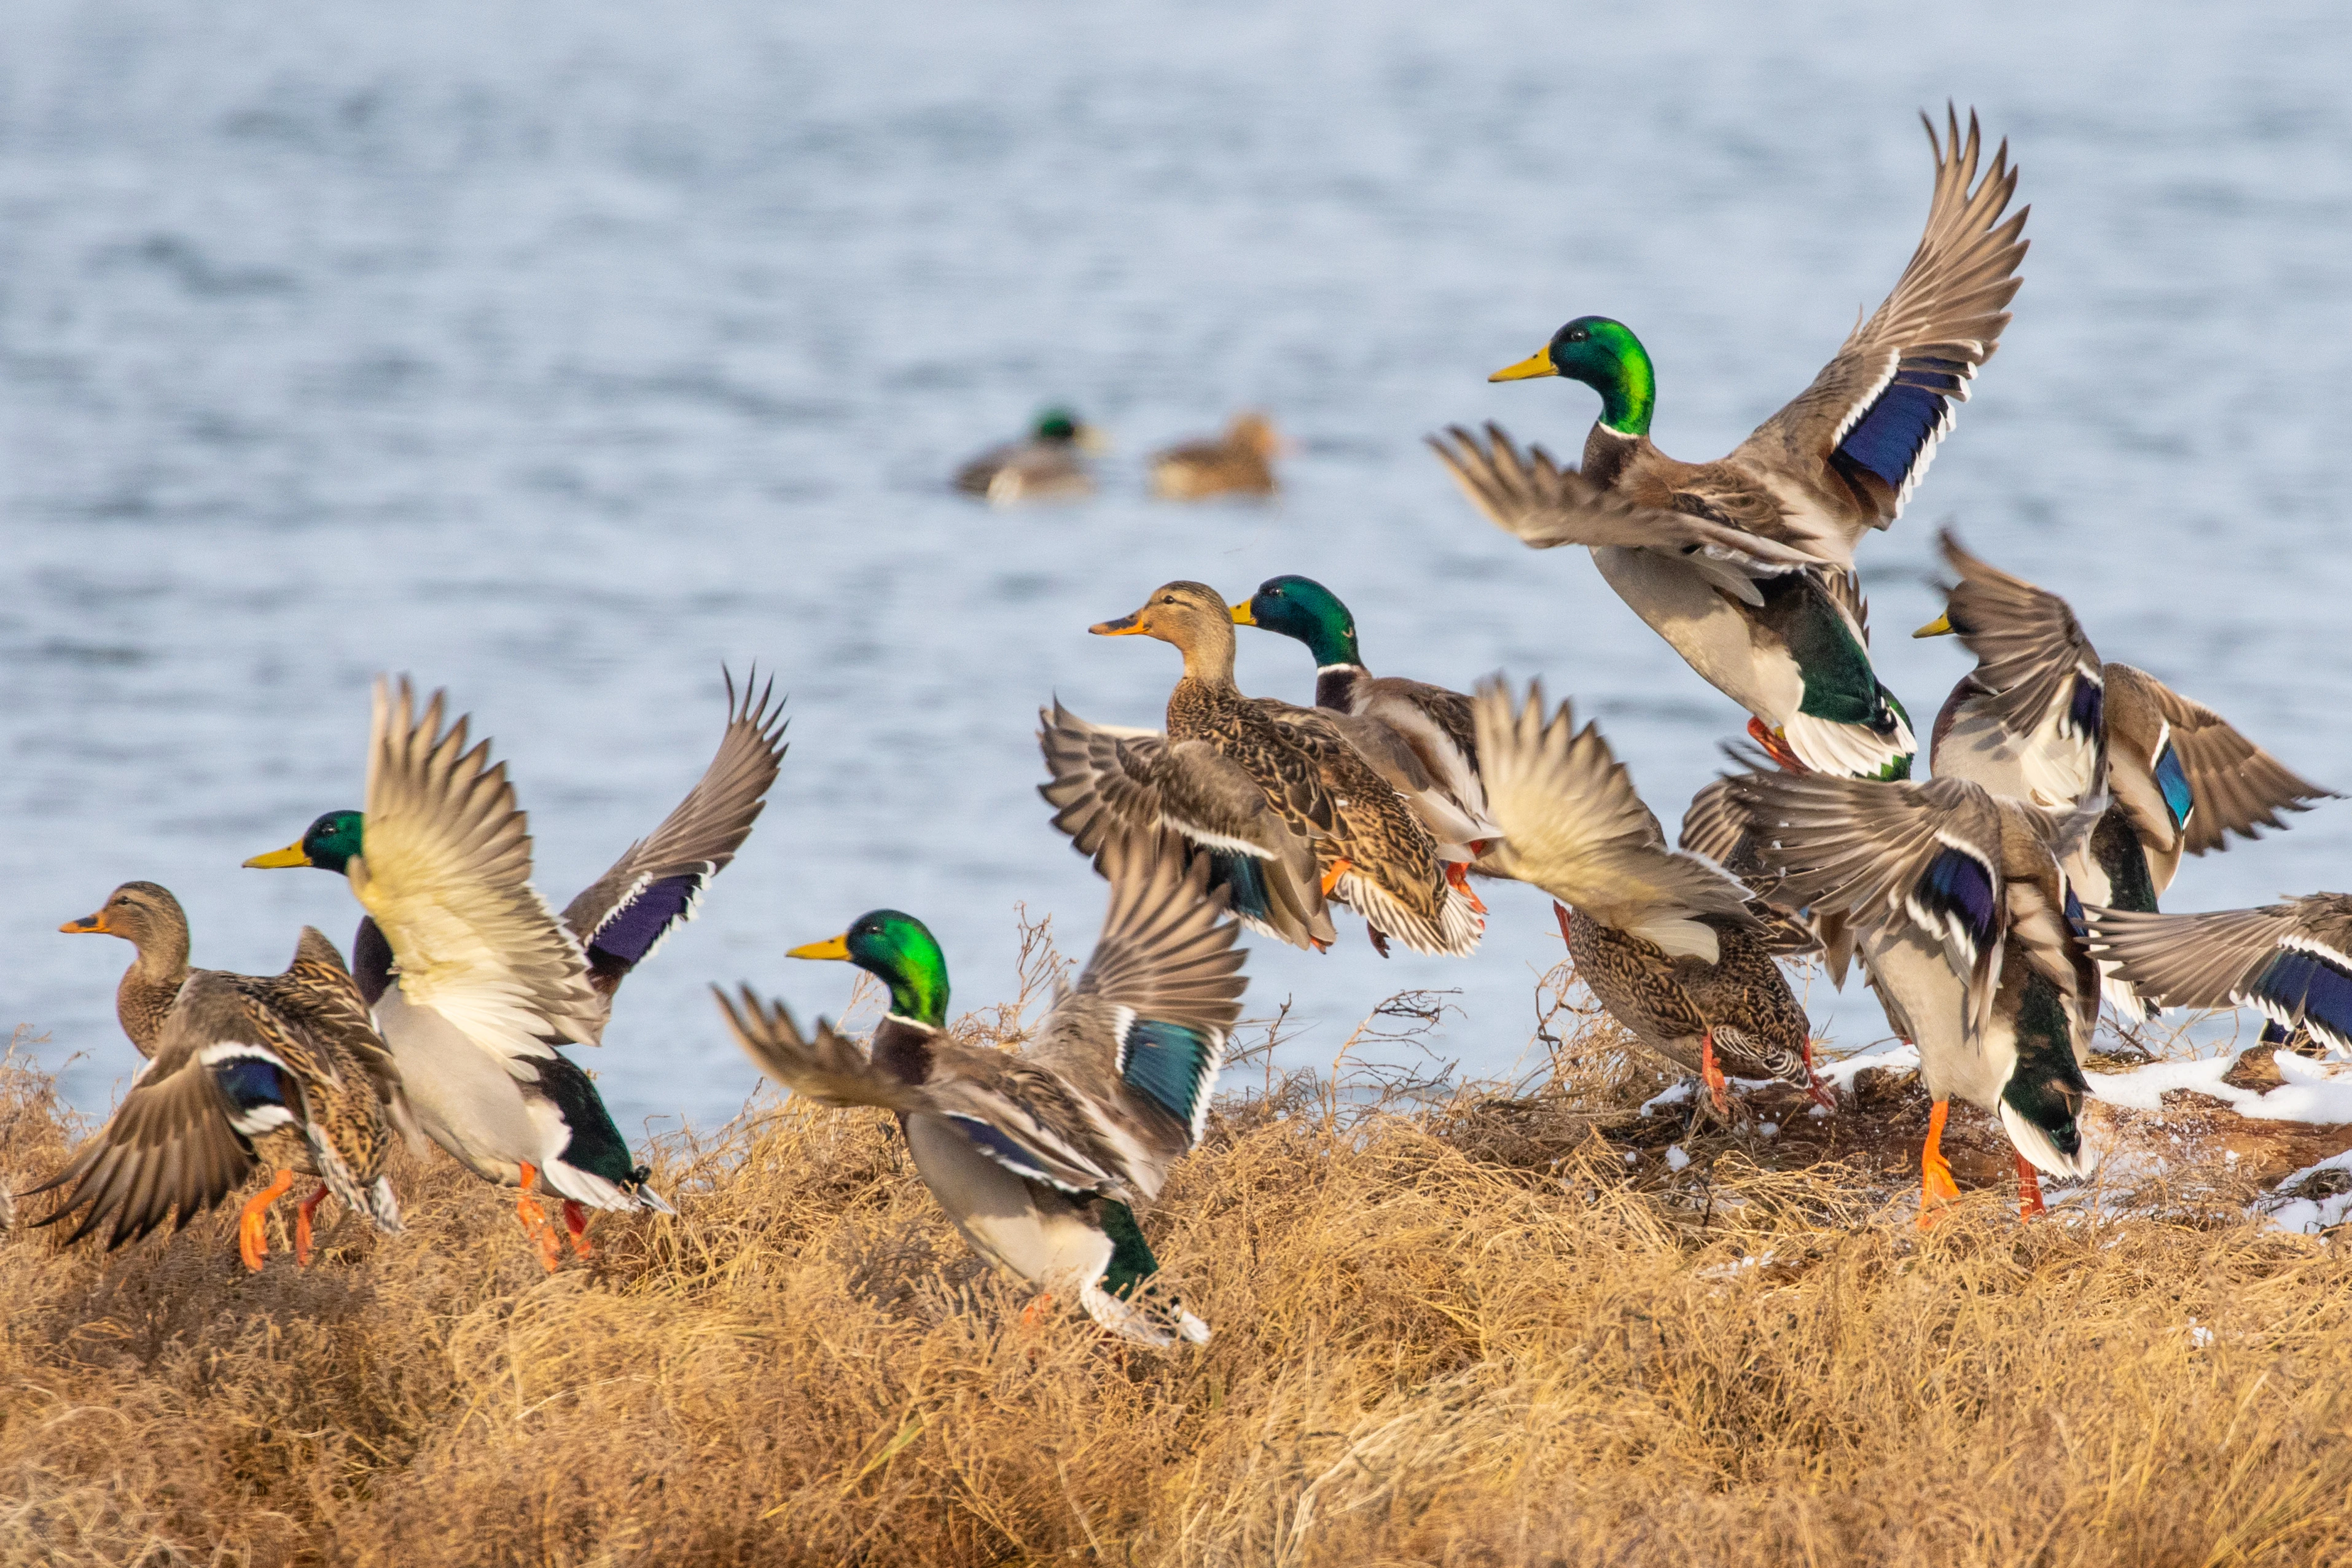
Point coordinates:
[[474, 980], [282, 1071], [1744, 565], [1440, 772], [1050, 465], [1039, 1157], [1963, 915]]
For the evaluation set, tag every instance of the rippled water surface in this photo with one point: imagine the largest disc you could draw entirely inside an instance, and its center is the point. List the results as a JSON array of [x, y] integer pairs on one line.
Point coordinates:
[[559, 354]]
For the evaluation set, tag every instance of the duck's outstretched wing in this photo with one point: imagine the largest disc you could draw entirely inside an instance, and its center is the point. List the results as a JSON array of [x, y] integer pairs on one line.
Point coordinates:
[[656, 886], [1890, 855], [446, 873], [1716, 829], [1573, 826], [1547, 505], [1863, 434], [1105, 784], [2182, 766], [1142, 1036], [2039, 690], [2292, 961], [825, 1065]]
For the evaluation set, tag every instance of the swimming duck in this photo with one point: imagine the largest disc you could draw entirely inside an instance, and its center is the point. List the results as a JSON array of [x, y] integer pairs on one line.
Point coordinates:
[[1048, 466], [1661, 938], [489, 982], [1439, 772], [283, 1071], [1764, 604], [1239, 463], [1963, 917], [1039, 1156], [2292, 962], [2043, 719], [1372, 853]]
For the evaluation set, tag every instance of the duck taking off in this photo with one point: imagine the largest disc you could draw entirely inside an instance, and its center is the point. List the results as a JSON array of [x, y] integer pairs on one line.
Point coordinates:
[[1744, 565], [1039, 1157], [477, 984], [1663, 938], [282, 1071]]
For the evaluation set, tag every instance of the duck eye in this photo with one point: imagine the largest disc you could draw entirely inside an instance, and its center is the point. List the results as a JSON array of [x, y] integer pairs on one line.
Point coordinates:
[[1168, 598], [1579, 335]]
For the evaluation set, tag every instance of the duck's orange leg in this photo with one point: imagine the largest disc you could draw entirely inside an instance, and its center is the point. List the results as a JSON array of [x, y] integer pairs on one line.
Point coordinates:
[[575, 1226], [1332, 873], [2029, 1190], [1775, 747], [1033, 1314], [302, 1213], [1457, 876], [535, 1224], [1560, 910], [1822, 1096], [1936, 1186], [1718, 1087], [250, 1244]]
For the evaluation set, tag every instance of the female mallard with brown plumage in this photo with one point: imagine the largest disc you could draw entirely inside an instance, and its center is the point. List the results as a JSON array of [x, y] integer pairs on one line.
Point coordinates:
[[1238, 463], [1661, 938], [1744, 565], [1370, 851], [1039, 1156], [282, 1071]]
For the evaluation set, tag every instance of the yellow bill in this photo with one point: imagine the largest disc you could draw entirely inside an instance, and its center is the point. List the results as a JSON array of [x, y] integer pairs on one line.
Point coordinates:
[[86, 923], [1941, 626], [831, 947], [1536, 364], [278, 860], [1242, 616]]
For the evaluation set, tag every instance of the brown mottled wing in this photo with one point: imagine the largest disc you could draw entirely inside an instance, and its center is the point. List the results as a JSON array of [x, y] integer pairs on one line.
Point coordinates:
[[655, 887], [318, 993], [826, 1066], [2190, 960], [1868, 848], [1864, 433], [2238, 787], [1104, 783], [1717, 828], [170, 1150], [2029, 646], [1547, 505]]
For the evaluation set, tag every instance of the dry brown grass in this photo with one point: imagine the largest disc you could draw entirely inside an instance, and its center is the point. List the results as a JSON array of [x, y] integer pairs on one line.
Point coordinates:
[[1462, 1330]]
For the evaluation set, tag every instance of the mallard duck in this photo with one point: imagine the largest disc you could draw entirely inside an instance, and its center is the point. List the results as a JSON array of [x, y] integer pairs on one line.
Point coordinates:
[[2292, 962], [1963, 918], [1763, 601], [1716, 827], [1239, 463], [1438, 771], [1372, 852], [1048, 466], [2043, 719], [1039, 1156], [283, 1071], [490, 983], [1661, 938]]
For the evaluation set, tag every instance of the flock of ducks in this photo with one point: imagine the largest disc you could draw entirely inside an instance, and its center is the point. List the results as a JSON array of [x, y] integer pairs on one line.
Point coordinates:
[[1990, 907], [1050, 463]]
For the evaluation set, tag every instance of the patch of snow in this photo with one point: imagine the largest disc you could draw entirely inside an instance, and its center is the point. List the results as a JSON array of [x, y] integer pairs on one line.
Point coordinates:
[[1632, 1156], [1736, 1268], [1675, 1158], [2199, 1336], [1671, 1096], [1840, 1072], [2317, 1092], [1769, 1129], [2307, 1215]]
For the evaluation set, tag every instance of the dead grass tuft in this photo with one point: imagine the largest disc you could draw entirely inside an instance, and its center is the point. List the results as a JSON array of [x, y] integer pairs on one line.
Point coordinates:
[[1457, 1328]]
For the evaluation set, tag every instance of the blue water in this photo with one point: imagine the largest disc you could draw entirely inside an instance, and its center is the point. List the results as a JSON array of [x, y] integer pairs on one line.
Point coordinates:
[[559, 353]]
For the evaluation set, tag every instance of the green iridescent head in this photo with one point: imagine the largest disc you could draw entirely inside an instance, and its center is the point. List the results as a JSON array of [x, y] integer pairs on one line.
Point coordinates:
[[1605, 356], [1303, 608], [899, 951], [328, 843], [1057, 425]]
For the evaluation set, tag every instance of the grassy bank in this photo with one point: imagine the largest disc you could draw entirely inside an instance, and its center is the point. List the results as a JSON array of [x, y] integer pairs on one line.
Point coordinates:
[[1480, 1329]]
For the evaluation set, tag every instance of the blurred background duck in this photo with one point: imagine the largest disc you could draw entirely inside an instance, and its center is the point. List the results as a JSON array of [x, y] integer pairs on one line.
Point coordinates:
[[475, 981], [1039, 1156], [1238, 463], [1764, 603], [283, 1071], [1047, 464]]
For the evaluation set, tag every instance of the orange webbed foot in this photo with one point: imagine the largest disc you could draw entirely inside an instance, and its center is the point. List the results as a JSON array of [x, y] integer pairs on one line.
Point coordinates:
[[1776, 747], [302, 1213], [1820, 1096], [1033, 1316], [1334, 871], [1457, 876], [2029, 1190], [535, 1222], [575, 1227], [1718, 1087], [1936, 1186], [251, 1244]]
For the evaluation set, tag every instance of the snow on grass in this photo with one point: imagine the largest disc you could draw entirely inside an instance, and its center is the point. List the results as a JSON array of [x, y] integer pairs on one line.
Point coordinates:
[[2315, 1092]]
